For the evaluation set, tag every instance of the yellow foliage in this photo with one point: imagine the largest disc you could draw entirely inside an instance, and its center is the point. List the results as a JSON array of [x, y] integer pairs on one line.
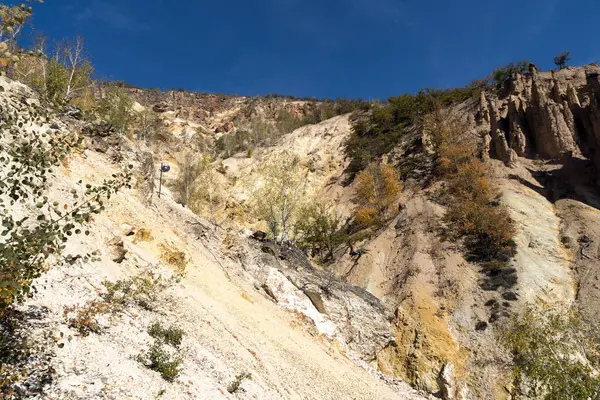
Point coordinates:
[[143, 235], [365, 216], [377, 187], [472, 211], [174, 257]]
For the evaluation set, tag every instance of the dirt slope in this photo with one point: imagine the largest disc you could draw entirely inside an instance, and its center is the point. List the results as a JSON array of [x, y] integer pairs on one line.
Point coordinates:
[[230, 328]]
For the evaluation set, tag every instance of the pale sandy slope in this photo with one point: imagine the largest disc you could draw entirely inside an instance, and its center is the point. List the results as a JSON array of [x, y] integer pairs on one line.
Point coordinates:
[[230, 327]]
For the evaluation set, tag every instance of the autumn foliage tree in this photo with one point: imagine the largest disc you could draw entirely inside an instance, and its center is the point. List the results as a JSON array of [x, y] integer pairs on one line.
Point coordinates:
[[473, 211], [377, 187]]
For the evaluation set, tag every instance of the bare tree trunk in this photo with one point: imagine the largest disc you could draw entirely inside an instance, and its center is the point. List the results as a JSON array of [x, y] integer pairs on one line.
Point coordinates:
[[74, 55], [212, 210]]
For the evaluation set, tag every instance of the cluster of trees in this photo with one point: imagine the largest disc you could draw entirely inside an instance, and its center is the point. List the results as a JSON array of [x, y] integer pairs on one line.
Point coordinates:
[[556, 354], [29, 158], [293, 214], [60, 72], [473, 212], [378, 134]]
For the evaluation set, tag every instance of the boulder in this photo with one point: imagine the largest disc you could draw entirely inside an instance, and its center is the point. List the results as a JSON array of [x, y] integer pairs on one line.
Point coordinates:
[[446, 382], [161, 107], [225, 128]]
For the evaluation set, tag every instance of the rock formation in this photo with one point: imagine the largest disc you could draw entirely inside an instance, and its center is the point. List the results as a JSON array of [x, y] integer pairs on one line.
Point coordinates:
[[550, 115]]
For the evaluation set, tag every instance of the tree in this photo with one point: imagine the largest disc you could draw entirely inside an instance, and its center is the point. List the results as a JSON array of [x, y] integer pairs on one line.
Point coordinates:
[[322, 229], [184, 184], [147, 123], [78, 67], [205, 190], [556, 354], [13, 19], [279, 195], [377, 187], [27, 158], [561, 59], [117, 108]]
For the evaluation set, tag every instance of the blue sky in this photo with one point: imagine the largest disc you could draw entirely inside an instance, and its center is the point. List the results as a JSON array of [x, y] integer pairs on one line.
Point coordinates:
[[322, 48]]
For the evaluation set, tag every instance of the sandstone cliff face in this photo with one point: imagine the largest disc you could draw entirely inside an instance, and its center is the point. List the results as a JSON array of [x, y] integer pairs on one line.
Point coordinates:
[[550, 115]]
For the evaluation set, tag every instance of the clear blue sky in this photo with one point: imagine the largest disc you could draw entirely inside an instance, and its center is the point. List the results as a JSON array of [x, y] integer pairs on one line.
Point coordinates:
[[322, 48]]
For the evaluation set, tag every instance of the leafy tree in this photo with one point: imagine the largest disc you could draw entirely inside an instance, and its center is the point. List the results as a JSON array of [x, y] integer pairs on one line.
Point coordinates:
[[205, 191], [13, 19], [556, 355], [561, 59], [322, 229], [279, 196], [189, 173], [147, 124], [377, 187], [78, 67], [117, 107], [502, 74], [29, 239]]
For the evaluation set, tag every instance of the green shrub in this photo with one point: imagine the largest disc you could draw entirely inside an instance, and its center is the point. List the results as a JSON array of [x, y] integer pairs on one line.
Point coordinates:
[[556, 355], [84, 318], [502, 74], [171, 335], [160, 360], [235, 386], [143, 289]]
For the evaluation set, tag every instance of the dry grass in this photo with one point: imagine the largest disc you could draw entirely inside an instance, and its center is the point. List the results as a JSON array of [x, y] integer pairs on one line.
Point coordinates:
[[142, 235], [174, 257]]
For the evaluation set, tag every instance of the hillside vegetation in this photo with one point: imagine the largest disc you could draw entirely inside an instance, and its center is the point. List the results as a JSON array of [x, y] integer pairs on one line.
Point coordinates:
[[434, 238]]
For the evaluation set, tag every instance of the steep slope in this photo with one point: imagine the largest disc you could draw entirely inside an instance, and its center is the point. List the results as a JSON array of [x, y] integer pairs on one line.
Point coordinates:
[[447, 309], [231, 325], [410, 306]]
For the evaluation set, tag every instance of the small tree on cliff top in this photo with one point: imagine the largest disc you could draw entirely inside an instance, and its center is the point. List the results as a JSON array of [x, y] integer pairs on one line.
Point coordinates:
[[562, 59]]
